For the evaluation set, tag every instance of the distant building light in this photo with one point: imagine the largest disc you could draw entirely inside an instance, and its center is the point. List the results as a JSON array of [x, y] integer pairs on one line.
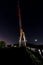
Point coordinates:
[[35, 40], [39, 51], [12, 45], [28, 47], [42, 50], [15, 46], [33, 49]]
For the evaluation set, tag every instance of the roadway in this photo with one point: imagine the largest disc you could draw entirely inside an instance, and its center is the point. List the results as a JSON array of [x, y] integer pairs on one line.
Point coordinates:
[[19, 56], [35, 56]]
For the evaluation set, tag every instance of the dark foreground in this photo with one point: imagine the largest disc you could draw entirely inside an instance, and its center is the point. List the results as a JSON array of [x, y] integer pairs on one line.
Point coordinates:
[[19, 56]]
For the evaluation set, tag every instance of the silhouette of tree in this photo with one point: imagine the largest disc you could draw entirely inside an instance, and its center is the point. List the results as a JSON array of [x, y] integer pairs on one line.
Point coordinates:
[[2, 44]]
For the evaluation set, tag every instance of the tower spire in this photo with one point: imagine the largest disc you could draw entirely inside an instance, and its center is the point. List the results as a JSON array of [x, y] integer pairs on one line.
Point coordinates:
[[22, 38], [19, 15]]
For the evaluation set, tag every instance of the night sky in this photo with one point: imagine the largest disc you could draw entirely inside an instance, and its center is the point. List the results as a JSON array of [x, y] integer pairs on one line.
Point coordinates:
[[32, 20]]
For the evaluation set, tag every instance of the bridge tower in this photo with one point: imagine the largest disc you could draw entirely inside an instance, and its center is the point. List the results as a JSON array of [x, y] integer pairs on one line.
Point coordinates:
[[22, 38]]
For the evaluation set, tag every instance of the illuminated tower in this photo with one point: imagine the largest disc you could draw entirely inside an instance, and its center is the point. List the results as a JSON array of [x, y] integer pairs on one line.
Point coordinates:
[[22, 38]]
